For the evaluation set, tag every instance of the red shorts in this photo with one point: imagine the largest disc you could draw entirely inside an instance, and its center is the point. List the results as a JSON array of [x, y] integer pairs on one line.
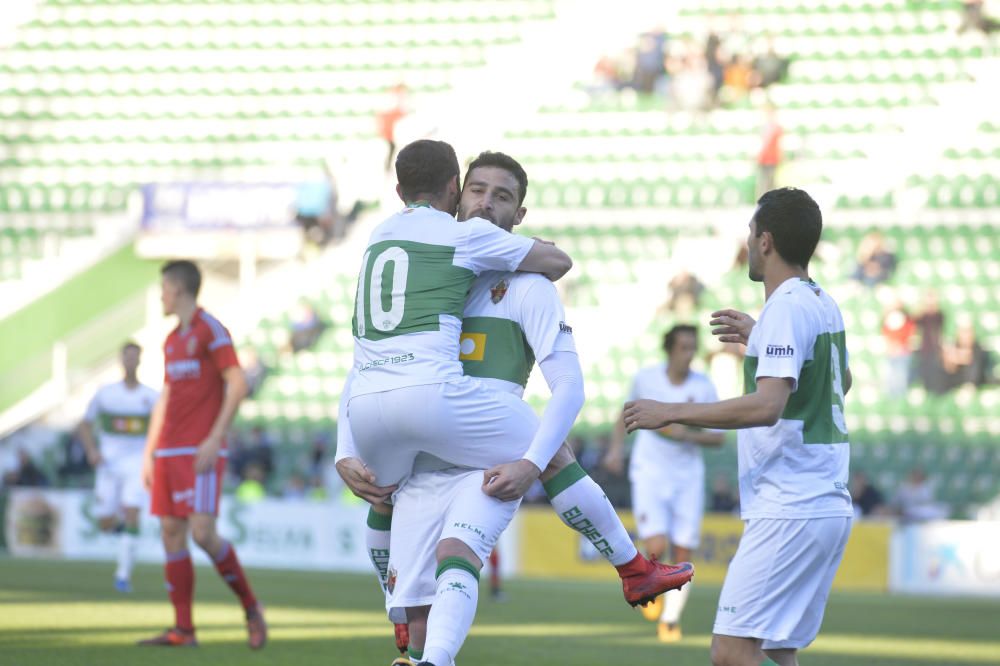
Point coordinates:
[[178, 491]]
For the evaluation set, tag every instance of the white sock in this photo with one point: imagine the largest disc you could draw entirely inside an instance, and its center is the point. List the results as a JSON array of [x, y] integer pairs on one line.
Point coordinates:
[[452, 613], [126, 555], [377, 543], [673, 604], [584, 507]]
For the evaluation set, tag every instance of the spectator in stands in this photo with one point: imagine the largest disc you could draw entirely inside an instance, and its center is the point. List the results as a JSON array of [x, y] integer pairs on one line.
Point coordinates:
[[965, 361], [724, 498], [386, 120], [974, 16], [876, 262], [898, 331], [318, 452], [74, 468], [251, 488], [253, 369], [714, 62], [684, 293], [306, 327], [295, 488], [868, 500], [690, 84], [649, 62], [316, 208], [769, 156], [737, 79], [768, 68], [27, 472], [257, 449], [914, 501], [930, 322]]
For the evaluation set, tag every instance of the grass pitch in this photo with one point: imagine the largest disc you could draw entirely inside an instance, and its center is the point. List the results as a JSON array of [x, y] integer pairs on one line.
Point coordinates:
[[56, 613]]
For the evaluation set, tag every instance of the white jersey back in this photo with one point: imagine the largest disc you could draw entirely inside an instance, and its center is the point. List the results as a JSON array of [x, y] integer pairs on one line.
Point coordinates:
[[120, 418], [655, 456], [511, 321], [415, 276], [798, 467]]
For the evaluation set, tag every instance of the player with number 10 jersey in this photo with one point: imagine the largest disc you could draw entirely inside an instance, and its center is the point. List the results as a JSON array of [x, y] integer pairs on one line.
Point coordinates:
[[407, 393]]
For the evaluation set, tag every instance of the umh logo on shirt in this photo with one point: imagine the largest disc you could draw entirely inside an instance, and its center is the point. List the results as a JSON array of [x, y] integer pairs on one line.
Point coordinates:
[[779, 351]]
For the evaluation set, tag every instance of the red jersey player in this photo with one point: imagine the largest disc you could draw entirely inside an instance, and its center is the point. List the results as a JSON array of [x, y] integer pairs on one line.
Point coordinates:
[[185, 452]]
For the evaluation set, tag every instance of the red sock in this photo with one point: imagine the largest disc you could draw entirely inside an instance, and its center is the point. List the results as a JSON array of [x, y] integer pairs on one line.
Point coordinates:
[[637, 565], [229, 568], [180, 585], [495, 571]]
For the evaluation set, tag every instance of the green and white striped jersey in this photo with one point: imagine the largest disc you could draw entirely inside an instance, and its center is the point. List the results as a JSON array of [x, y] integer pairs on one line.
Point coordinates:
[[415, 276], [120, 416], [511, 319], [798, 468]]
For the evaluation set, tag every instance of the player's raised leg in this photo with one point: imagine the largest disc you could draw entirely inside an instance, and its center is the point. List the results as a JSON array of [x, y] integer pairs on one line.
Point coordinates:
[[583, 506]]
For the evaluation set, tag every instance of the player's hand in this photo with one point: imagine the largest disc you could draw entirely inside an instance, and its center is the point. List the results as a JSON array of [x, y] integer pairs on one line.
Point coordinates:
[[509, 481], [732, 325], [613, 463], [147, 472], [94, 459], [207, 454], [647, 415], [361, 481]]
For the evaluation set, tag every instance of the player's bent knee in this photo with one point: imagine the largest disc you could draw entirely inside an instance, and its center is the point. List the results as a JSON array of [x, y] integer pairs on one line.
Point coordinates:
[[723, 653], [453, 552], [563, 457]]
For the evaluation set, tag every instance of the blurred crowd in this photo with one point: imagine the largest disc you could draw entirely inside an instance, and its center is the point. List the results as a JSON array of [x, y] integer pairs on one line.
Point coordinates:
[[692, 75]]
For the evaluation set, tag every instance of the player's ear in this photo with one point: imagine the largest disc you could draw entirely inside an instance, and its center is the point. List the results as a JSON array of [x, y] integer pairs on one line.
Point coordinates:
[[519, 215], [399, 193]]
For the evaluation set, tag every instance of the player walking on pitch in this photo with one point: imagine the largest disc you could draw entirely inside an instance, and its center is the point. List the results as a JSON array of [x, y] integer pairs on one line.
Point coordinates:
[[667, 470], [793, 450], [510, 320], [120, 414], [185, 455]]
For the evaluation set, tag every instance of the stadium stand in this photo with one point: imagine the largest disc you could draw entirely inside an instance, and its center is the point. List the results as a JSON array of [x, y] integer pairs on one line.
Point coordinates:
[[98, 97]]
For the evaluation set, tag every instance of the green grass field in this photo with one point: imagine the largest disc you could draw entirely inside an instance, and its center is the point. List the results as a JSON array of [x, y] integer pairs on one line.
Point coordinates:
[[59, 613]]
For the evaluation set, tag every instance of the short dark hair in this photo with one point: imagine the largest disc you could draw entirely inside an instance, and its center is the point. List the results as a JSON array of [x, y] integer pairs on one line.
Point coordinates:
[[670, 337], [794, 220], [185, 273], [425, 167], [131, 344], [503, 161]]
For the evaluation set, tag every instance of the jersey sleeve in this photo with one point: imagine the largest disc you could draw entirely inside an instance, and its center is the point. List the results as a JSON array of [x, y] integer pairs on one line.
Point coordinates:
[[93, 408], [784, 342], [220, 348], [490, 248], [544, 321]]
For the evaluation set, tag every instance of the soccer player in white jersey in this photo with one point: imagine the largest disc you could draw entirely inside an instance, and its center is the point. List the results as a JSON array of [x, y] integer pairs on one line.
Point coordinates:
[[793, 450], [511, 320], [120, 414], [667, 470]]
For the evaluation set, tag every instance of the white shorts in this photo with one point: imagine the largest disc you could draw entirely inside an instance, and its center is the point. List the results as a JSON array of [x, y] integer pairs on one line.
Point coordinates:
[[118, 485], [463, 423], [433, 506], [778, 582], [673, 508]]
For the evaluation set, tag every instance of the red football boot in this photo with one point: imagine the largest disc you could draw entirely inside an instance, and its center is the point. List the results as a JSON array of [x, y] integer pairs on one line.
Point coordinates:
[[643, 580]]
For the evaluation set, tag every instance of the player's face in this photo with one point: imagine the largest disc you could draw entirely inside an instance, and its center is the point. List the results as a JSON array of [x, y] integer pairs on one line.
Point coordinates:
[[492, 194], [169, 291], [755, 259], [683, 351], [130, 359]]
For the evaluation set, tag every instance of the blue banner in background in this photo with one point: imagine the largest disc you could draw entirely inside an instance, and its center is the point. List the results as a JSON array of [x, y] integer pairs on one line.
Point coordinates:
[[218, 206]]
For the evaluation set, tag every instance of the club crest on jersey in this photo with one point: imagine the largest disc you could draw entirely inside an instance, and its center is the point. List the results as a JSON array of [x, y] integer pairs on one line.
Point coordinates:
[[192, 344], [390, 581], [498, 291]]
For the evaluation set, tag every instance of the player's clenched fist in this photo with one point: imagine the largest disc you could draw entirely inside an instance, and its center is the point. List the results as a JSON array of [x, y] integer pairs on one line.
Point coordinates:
[[361, 481], [732, 325], [646, 415], [509, 481]]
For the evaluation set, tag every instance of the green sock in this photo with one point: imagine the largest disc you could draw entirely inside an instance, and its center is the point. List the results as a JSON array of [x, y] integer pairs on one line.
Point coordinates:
[[768, 661], [416, 655]]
